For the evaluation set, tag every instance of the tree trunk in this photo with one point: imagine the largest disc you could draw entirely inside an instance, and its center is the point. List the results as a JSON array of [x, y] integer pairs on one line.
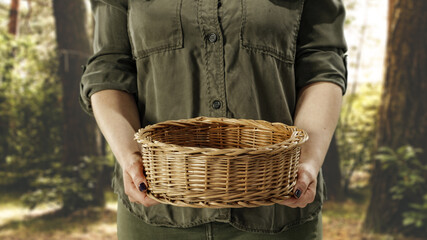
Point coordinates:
[[102, 178], [13, 17], [403, 112], [4, 120], [332, 172], [79, 129]]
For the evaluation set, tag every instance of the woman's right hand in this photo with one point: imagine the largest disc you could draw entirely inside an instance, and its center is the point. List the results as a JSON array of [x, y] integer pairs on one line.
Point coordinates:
[[118, 124], [134, 181]]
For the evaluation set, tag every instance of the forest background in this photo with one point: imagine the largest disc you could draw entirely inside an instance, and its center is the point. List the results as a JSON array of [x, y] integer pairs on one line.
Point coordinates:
[[55, 167]]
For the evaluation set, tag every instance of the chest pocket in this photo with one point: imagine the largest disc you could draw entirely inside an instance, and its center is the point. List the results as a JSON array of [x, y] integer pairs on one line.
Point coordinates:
[[271, 27], [154, 26]]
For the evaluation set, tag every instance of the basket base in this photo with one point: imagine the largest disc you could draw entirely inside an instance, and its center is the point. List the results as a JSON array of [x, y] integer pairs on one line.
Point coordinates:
[[210, 204]]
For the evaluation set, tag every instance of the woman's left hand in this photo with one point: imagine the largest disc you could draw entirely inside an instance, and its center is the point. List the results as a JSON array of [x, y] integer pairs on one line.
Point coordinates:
[[317, 112], [305, 188]]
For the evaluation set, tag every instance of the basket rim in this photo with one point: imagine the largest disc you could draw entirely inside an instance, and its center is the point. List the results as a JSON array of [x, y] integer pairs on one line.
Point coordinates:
[[298, 137]]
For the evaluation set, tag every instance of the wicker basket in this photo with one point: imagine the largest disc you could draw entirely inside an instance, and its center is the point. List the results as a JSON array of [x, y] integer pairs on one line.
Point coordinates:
[[220, 163]]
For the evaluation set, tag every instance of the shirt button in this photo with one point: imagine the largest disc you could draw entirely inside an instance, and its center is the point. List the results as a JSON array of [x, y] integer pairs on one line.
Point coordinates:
[[212, 37], [216, 104]]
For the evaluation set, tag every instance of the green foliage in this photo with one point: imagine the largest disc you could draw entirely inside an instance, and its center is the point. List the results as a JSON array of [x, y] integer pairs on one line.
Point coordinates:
[[31, 117], [77, 183], [356, 130], [31, 129], [409, 169], [80, 186], [418, 217], [30, 110], [411, 181]]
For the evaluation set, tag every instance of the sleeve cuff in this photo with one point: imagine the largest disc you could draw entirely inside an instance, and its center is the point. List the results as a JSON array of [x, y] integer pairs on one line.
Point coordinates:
[[102, 74], [321, 66]]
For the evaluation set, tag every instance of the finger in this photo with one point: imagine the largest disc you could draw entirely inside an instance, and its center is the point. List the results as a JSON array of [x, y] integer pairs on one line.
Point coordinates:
[[129, 186], [135, 194], [301, 185], [291, 202], [307, 197], [149, 201], [307, 174], [130, 189], [136, 172], [131, 199], [301, 195], [310, 194]]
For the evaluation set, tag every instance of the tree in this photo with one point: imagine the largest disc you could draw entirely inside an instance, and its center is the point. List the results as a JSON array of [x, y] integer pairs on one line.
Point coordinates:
[[4, 121], [403, 120], [79, 138], [332, 172], [13, 17]]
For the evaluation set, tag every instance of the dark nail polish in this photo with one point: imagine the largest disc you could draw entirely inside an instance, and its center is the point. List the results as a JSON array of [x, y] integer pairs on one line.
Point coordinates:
[[297, 193], [142, 187]]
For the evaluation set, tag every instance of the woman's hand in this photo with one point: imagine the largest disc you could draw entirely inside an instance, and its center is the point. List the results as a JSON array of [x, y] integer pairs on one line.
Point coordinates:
[[317, 112], [134, 181], [117, 116], [305, 188]]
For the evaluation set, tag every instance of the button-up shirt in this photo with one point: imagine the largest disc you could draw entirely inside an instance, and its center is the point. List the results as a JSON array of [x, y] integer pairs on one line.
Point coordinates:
[[218, 58]]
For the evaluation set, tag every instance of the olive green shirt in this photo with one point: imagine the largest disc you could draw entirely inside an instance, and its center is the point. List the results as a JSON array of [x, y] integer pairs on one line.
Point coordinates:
[[229, 58]]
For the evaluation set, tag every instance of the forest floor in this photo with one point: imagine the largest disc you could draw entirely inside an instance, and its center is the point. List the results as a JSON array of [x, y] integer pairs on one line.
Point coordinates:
[[341, 221]]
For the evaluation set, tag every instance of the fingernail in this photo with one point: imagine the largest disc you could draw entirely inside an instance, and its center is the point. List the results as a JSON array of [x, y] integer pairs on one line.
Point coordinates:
[[142, 187], [297, 193]]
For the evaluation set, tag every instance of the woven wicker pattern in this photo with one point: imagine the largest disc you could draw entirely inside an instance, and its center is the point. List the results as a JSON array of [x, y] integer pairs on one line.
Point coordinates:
[[219, 162]]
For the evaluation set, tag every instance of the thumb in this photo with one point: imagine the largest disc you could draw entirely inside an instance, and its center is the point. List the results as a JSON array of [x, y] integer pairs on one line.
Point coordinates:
[[136, 172], [302, 184]]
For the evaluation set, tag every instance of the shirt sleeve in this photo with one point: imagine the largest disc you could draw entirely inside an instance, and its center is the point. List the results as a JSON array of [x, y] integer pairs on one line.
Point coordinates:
[[112, 65], [321, 46]]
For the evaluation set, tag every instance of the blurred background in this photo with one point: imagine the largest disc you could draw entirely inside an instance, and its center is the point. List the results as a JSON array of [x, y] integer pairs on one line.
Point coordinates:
[[55, 167]]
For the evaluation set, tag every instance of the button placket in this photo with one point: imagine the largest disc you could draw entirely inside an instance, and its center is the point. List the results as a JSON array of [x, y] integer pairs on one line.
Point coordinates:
[[214, 59]]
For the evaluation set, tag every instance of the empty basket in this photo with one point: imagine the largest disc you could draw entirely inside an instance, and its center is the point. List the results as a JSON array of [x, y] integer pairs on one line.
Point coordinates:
[[220, 163]]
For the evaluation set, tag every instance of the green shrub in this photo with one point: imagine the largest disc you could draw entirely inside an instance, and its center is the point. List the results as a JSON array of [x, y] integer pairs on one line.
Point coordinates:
[[31, 130], [411, 181], [356, 130], [30, 110]]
